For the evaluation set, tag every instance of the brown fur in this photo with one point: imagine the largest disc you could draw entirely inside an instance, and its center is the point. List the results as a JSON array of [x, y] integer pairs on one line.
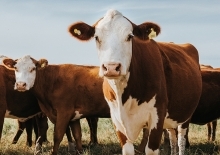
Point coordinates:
[[20, 104]]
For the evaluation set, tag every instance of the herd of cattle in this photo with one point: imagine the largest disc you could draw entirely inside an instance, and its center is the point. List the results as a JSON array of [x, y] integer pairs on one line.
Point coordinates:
[[140, 83]]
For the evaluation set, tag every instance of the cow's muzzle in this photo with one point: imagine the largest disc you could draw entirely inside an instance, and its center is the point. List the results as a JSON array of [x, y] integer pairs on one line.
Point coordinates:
[[20, 86], [112, 69]]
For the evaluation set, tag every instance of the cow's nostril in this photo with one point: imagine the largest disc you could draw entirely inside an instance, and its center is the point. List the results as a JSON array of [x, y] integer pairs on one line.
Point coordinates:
[[118, 68], [104, 68]]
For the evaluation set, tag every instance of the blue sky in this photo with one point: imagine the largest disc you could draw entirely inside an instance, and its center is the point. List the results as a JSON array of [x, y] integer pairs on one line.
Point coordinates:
[[39, 28]]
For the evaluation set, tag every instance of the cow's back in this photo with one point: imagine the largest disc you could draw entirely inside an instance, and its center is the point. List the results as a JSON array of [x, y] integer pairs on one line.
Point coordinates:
[[183, 78]]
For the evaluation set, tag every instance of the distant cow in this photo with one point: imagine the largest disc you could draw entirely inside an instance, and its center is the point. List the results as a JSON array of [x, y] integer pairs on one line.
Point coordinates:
[[147, 84], [208, 109], [211, 126]]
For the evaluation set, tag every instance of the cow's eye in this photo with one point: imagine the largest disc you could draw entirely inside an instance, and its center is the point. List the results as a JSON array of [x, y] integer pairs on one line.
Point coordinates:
[[32, 69], [130, 36], [97, 39]]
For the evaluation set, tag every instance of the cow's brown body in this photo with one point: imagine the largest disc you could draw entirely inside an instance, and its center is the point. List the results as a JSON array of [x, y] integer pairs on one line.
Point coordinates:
[[20, 105], [63, 96]]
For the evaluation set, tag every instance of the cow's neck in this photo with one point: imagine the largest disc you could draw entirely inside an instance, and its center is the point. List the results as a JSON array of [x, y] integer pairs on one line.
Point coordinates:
[[45, 80], [144, 72]]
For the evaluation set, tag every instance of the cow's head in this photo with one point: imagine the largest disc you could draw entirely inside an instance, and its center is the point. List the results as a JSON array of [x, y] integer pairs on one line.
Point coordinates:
[[113, 34], [25, 71]]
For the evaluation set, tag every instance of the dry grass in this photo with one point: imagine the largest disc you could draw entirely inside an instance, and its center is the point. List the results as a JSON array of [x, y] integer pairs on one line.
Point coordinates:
[[108, 142]]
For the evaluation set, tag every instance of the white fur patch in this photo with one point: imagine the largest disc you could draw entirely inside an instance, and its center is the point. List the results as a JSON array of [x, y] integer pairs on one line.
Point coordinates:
[[77, 116], [151, 152], [131, 118], [169, 123], [23, 73], [128, 148]]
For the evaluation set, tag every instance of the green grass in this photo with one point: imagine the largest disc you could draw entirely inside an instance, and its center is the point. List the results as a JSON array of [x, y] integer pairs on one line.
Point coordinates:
[[108, 142]]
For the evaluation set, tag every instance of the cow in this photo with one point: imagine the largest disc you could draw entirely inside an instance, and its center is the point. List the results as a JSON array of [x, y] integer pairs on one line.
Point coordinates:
[[18, 105], [147, 84], [211, 126], [209, 104], [64, 97]]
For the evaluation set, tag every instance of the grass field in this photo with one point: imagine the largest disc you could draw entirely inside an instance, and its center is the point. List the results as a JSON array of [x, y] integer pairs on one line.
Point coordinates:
[[108, 142]]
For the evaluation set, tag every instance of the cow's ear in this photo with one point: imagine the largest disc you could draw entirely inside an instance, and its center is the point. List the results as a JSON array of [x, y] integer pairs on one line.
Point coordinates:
[[42, 63], [146, 30], [9, 63], [82, 31]]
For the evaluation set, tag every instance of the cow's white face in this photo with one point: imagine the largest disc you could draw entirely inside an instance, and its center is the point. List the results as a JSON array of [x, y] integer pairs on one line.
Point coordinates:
[[113, 39], [25, 73]]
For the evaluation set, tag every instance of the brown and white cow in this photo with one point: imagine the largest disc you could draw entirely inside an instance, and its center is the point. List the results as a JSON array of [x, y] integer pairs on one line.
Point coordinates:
[[28, 124], [64, 97], [17, 105], [147, 84]]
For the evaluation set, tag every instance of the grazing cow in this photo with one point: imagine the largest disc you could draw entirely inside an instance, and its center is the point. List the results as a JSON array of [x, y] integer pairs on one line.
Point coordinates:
[[147, 84]]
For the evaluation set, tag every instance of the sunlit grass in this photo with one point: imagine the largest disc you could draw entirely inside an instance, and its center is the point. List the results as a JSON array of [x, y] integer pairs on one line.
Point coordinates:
[[108, 142]]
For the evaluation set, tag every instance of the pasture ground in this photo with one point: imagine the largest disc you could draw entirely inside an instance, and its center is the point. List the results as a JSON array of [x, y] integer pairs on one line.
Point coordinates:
[[108, 142]]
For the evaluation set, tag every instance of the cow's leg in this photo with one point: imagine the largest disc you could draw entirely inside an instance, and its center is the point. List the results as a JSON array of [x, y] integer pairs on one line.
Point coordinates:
[[214, 124], [21, 127], [166, 142], [35, 126], [182, 130], [155, 135], [144, 140], [29, 128], [60, 129], [127, 146], [93, 124], [77, 134], [187, 138], [71, 146], [2, 110], [209, 130], [42, 126], [173, 140]]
